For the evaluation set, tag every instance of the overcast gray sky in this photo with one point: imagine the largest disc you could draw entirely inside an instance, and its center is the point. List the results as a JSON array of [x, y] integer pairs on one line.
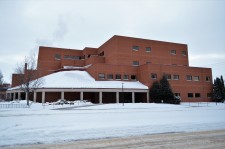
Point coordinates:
[[27, 24]]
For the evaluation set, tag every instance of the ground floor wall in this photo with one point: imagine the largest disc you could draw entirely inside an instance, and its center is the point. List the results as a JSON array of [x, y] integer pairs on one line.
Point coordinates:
[[94, 96]]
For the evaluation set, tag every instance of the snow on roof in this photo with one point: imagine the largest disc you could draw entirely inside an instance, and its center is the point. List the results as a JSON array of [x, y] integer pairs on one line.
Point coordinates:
[[82, 79]]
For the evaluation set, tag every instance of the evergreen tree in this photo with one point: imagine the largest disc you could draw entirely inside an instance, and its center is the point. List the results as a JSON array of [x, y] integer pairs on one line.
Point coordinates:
[[166, 92], [218, 90], [154, 92], [162, 92]]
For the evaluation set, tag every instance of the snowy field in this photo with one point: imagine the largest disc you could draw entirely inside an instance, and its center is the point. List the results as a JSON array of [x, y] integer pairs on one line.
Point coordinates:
[[40, 124]]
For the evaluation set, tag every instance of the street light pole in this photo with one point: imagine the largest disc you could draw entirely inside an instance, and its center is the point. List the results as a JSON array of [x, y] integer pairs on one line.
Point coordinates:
[[122, 94]]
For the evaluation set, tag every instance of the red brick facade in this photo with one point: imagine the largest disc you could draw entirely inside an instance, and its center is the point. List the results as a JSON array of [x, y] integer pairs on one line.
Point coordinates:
[[131, 59]]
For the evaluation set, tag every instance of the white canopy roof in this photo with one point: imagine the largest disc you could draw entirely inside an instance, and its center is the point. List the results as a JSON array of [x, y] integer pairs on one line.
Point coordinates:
[[82, 79]]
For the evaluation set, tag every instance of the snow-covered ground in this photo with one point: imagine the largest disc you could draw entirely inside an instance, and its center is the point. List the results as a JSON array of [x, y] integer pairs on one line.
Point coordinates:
[[41, 124]]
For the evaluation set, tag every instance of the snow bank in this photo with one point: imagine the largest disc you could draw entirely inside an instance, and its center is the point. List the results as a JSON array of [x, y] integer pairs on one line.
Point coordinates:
[[42, 125]]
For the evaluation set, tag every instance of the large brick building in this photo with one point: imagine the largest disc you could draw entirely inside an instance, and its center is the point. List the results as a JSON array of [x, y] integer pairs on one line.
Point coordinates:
[[123, 59]]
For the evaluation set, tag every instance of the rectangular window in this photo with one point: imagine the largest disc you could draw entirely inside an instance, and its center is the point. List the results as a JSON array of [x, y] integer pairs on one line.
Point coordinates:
[[190, 95], [189, 77], [133, 77], [209, 95], [110, 76], [175, 77], [72, 57], [168, 76], [184, 53], [177, 94], [207, 78], [148, 49], [135, 63], [196, 78], [57, 57], [101, 76], [118, 77], [135, 48], [197, 95], [173, 52], [154, 76], [125, 77]]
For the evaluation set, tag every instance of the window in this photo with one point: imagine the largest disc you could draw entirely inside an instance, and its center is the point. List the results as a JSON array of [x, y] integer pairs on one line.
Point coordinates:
[[148, 49], [197, 95], [184, 53], [148, 62], [168, 76], [57, 57], [72, 57], [175, 77], [133, 77], [196, 78], [101, 76], [207, 78], [177, 94], [110, 76], [189, 77], [154, 76], [173, 52], [118, 77], [135, 48], [190, 95], [101, 54], [135, 63], [209, 95], [125, 77]]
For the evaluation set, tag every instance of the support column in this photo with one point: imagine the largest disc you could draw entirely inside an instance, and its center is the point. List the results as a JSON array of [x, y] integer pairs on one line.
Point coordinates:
[[117, 97], [133, 97], [147, 97], [43, 97], [100, 97], [81, 96], [19, 95], [62, 95], [35, 96], [26, 96], [14, 96]]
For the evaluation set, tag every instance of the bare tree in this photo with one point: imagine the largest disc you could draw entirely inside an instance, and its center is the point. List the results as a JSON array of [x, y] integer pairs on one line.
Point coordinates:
[[30, 78], [1, 78]]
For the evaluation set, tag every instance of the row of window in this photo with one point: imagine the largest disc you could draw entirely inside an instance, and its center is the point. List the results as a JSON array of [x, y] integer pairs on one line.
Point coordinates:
[[102, 76], [176, 77], [149, 49], [70, 57], [168, 76], [194, 95]]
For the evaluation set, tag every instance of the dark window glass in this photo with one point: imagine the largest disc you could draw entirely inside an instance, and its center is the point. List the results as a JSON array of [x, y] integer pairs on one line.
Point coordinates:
[[189, 77], [154, 76], [126, 77], [133, 77], [57, 57], [135, 63], [148, 49], [135, 48], [173, 51], [118, 77], [190, 95], [197, 95], [110, 76]]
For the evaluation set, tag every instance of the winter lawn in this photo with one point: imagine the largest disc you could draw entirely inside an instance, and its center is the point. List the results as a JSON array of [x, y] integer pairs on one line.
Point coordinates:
[[40, 124]]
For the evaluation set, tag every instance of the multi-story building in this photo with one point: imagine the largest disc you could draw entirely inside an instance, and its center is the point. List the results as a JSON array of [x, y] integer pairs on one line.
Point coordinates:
[[123, 60]]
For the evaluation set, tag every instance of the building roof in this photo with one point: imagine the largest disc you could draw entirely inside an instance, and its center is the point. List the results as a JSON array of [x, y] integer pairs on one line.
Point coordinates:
[[82, 79]]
